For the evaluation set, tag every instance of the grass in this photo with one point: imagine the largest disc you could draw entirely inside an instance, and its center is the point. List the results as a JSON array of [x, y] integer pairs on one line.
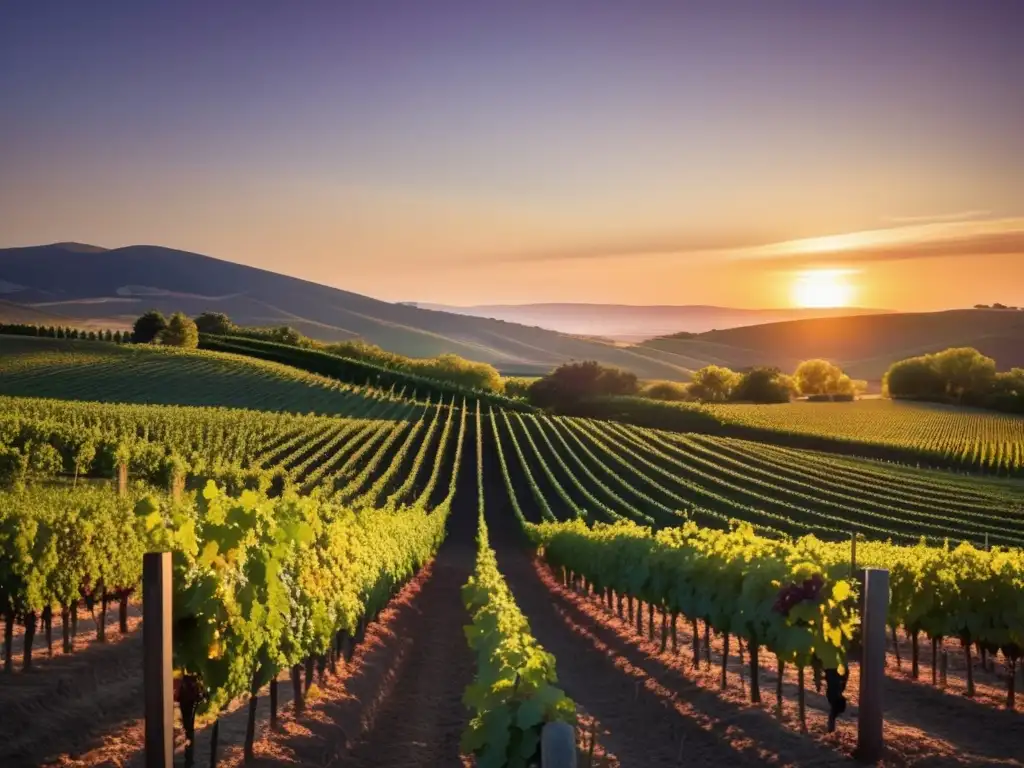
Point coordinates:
[[101, 372]]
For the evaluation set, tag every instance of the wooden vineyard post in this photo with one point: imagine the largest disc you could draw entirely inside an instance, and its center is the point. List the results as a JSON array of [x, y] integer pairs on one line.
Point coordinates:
[[558, 746], [870, 742], [122, 479], [158, 683], [853, 555]]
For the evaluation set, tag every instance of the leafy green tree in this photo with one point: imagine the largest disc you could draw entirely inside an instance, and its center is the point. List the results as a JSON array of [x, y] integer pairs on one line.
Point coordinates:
[[764, 385], [820, 377], [915, 377], [713, 384], [671, 391], [181, 332], [148, 327], [518, 386], [465, 373], [573, 382], [216, 323], [965, 371]]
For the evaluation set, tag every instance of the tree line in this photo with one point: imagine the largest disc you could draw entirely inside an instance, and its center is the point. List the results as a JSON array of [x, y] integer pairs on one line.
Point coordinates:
[[63, 332], [468, 374], [961, 376], [572, 383]]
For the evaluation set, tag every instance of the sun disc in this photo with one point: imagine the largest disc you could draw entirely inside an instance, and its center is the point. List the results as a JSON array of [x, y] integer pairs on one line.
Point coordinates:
[[821, 288]]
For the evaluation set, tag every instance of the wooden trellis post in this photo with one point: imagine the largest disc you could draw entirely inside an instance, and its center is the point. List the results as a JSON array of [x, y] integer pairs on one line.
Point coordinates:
[[870, 741], [158, 682]]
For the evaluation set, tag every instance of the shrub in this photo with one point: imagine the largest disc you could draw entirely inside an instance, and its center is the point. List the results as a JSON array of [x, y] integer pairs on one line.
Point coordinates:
[[764, 385], [713, 384], [572, 382], [666, 390], [180, 332], [215, 322], [518, 386], [148, 327]]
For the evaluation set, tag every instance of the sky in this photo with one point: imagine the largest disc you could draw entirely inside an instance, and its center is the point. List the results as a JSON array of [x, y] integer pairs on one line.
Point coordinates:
[[508, 152]]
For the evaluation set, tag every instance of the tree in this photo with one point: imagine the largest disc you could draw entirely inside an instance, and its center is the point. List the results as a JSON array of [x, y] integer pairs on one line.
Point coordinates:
[[286, 335], [820, 377], [181, 332], [713, 384], [572, 382], [764, 385], [216, 323], [148, 327], [1008, 392], [666, 390], [915, 377], [465, 373], [965, 371]]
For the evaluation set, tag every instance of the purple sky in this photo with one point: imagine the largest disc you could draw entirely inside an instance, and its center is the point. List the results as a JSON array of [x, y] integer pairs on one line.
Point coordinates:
[[475, 152]]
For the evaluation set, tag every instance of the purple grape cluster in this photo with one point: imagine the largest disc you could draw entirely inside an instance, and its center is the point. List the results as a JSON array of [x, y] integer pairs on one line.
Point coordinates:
[[796, 593]]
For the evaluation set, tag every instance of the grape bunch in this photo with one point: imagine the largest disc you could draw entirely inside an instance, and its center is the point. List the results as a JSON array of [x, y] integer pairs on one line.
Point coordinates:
[[794, 594]]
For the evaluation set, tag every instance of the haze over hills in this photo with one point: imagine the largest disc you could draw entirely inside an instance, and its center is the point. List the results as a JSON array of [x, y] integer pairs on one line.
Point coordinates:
[[623, 322], [83, 285], [80, 282], [864, 346]]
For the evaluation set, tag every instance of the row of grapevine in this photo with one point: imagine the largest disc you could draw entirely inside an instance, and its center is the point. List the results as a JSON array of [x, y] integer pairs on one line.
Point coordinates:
[[764, 591], [959, 437], [261, 584], [693, 461], [607, 471], [59, 547], [145, 374], [968, 594], [513, 695]]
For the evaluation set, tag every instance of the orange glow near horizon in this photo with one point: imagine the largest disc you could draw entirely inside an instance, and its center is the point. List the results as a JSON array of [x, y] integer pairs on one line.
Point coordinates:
[[821, 288]]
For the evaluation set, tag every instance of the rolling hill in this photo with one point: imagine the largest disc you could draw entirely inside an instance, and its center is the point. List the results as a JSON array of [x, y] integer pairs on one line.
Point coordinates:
[[144, 374], [84, 285], [72, 282], [623, 322], [865, 346]]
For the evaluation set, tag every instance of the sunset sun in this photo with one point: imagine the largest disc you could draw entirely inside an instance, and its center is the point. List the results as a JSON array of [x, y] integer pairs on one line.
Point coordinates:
[[818, 288]]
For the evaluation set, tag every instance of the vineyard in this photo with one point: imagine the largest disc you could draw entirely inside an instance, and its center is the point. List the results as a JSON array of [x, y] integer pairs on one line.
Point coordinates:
[[82, 370], [561, 468], [317, 551], [968, 438]]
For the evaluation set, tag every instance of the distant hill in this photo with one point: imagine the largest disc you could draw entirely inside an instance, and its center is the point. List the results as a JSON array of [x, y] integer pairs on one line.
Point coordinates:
[[864, 346], [623, 322], [81, 282]]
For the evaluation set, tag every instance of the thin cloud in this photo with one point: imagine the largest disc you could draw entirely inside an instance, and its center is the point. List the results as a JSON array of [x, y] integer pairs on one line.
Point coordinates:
[[961, 239], [921, 240], [937, 217], [656, 246]]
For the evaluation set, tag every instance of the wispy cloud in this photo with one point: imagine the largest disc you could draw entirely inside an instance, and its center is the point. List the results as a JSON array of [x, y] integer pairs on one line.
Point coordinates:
[[681, 245], [951, 235], [986, 237], [937, 217]]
